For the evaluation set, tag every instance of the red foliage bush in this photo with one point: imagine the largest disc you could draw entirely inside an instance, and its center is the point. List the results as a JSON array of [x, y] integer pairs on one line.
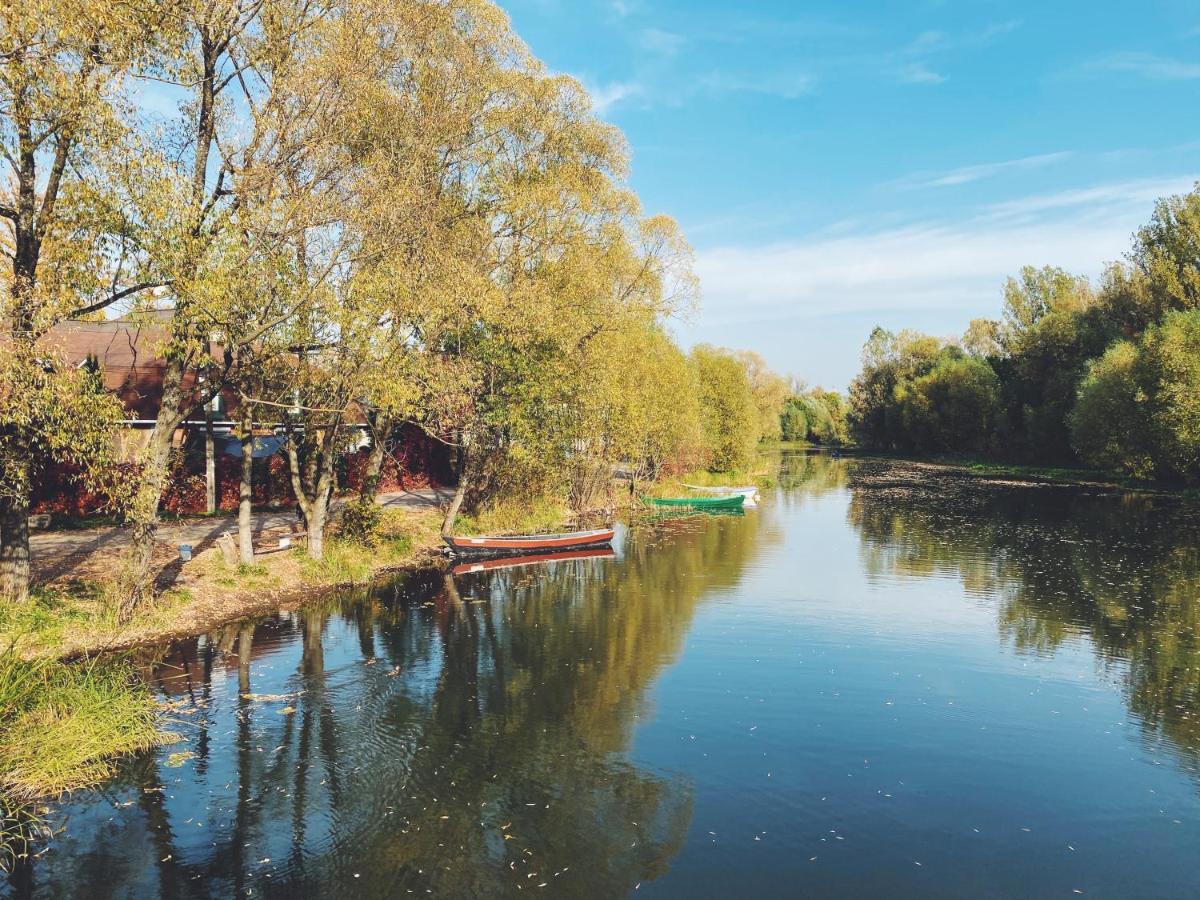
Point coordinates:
[[415, 462]]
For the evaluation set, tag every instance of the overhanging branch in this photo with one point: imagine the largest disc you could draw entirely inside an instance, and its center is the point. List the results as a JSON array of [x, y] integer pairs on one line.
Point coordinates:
[[117, 296]]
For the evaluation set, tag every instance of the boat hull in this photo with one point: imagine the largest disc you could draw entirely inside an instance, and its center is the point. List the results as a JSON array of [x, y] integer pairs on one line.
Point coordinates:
[[521, 545], [512, 562], [737, 501]]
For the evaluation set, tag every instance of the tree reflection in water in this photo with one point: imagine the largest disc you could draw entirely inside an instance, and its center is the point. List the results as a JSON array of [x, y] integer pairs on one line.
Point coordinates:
[[1122, 570], [463, 735]]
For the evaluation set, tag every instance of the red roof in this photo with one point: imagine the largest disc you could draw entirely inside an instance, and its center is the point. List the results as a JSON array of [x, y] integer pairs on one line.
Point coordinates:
[[129, 355], [131, 365]]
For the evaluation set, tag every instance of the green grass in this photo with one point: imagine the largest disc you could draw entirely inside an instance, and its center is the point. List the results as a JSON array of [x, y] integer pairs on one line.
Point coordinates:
[[540, 515], [346, 562], [354, 562], [242, 576], [62, 728], [44, 619]]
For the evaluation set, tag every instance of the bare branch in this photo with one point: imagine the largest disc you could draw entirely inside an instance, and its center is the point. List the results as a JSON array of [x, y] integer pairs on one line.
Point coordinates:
[[119, 295]]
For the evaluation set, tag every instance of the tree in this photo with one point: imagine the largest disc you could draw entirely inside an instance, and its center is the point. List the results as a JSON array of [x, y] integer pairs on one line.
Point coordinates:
[[889, 362], [727, 410], [1110, 422], [1171, 377], [561, 257], [1167, 253], [62, 67], [817, 415], [1053, 326], [952, 408], [983, 338], [244, 186], [768, 389], [645, 403]]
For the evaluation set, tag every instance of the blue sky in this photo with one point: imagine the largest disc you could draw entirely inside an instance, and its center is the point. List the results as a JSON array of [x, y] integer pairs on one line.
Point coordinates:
[[842, 165]]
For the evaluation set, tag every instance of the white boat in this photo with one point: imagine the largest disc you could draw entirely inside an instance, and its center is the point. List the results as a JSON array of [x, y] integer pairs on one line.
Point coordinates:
[[750, 493]]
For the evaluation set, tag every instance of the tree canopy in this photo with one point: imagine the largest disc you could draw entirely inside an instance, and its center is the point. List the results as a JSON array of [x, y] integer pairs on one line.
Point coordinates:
[[1102, 375]]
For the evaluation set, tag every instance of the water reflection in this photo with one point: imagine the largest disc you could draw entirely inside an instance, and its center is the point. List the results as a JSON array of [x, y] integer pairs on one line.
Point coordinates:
[[875, 668], [464, 735], [1063, 563]]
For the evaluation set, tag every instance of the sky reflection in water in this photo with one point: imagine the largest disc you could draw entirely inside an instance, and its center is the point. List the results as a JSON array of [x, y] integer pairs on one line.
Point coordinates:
[[883, 681]]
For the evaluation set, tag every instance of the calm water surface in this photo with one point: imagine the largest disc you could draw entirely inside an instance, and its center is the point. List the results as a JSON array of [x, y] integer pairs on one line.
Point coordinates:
[[884, 682]]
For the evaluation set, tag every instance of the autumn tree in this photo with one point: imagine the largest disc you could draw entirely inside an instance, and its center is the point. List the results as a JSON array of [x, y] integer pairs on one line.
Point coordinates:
[[727, 410], [769, 391], [64, 140], [250, 181]]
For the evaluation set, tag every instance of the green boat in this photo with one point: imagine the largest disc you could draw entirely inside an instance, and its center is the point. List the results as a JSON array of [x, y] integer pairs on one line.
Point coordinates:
[[734, 502]]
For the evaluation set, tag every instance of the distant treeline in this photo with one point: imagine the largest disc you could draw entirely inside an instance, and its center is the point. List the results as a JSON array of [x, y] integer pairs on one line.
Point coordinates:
[[1107, 375], [815, 415]]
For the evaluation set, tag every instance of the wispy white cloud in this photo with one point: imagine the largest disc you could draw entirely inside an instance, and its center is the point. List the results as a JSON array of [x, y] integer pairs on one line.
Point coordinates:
[[969, 174], [656, 40], [785, 85], [607, 96], [1097, 200], [919, 73], [911, 63], [1148, 65], [953, 266]]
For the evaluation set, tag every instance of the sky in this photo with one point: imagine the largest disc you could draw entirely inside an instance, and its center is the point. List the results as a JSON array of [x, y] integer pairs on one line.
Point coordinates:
[[842, 165]]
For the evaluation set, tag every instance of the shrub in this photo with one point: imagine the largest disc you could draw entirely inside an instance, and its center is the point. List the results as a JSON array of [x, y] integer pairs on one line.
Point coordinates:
[[360, 522]]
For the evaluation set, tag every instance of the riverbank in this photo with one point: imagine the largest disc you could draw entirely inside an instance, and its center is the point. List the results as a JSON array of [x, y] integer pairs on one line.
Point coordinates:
[[71, 705], [70, 615], [1028, 474]]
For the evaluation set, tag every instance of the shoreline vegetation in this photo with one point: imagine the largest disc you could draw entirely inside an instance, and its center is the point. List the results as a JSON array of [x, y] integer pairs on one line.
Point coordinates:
[[1074, 375]]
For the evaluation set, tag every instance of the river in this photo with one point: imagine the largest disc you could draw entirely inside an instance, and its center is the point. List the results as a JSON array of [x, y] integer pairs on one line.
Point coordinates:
[[885, 681]]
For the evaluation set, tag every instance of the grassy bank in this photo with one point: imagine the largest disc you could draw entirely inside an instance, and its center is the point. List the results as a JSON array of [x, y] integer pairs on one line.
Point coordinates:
[[62, 727], [75, 616], [62, 724]]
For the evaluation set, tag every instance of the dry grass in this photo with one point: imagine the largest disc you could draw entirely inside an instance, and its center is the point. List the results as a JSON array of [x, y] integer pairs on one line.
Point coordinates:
[[62, 728], [529, 517]]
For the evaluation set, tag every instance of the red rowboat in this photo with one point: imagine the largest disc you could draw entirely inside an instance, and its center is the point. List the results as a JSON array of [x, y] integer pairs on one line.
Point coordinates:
[[512, 562], [520, 545]]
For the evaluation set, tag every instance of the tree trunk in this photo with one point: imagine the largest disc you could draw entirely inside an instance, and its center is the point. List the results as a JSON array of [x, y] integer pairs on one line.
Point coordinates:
[[373, 475], [246, 489], [460, 493], [316, 529], [210, 461], [313, 485], [14, 550], [143, 514]]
